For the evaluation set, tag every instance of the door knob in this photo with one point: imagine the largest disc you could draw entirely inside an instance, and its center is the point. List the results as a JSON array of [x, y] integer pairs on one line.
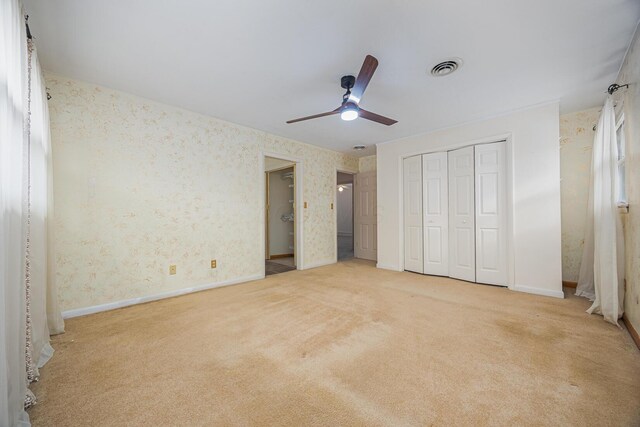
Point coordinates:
[[464, 221]]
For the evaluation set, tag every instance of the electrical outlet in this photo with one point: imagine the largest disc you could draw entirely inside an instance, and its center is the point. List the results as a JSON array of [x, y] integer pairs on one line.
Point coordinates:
[[172, 269], [331, 205], [305, 205], [214, 264]]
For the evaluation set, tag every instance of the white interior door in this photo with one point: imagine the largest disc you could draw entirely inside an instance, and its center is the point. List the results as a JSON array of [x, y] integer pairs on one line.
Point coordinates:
[[365, 233], [491, 214], [412, 189], [436, 214], [462, 246]]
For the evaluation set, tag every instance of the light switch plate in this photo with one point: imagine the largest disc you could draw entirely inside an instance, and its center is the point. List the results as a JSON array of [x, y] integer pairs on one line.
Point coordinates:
[[172, 269]]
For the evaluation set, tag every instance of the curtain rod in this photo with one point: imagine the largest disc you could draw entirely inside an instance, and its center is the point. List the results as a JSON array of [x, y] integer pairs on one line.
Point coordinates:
[[614, 87], [26, 23], [30, 37]]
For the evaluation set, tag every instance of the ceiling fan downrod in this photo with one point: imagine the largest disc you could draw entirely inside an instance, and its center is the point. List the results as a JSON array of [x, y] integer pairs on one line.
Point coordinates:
[[347, 83]]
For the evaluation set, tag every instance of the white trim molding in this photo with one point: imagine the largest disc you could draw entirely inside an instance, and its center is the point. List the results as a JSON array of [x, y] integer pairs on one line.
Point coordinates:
[[538, 291], [310, 265], [388, 267], [170, 294]]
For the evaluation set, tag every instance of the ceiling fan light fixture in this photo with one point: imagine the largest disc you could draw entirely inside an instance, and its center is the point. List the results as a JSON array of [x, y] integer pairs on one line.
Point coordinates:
[[349, 112], [348, 115], [349, 109]]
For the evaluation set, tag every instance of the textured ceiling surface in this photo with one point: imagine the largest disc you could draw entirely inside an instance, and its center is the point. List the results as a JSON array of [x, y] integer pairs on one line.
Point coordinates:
[[260, 63]]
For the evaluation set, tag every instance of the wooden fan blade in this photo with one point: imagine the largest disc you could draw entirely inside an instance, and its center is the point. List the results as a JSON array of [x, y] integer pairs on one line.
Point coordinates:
[[329, 113], [376, 117], [364, 77]]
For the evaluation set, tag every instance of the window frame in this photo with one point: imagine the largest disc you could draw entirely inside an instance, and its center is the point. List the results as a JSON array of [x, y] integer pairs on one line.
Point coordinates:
[[621, 188]]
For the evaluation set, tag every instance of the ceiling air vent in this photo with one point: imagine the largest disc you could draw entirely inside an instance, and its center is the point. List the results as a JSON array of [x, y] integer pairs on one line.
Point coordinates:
[[446, 67], [359, 147]]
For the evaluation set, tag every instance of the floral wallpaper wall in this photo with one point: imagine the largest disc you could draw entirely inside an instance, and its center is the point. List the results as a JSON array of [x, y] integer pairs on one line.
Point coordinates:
[[367, 164], [140, 185], [576, 141]]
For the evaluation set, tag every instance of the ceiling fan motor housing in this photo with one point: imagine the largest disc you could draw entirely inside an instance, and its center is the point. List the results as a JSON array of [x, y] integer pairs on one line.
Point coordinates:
[[347, 82]]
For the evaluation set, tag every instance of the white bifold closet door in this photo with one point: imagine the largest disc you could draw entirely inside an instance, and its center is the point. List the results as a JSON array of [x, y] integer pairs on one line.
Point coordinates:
[[436, 214], [455, 214], [491, 214], [462, 246], [412, 188]]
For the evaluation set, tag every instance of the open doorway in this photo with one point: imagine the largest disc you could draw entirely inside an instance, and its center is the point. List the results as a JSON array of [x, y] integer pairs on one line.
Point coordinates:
[[280, 216], [344, 215]]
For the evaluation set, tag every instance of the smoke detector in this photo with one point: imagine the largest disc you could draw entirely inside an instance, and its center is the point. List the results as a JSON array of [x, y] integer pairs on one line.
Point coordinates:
[[446, 67]]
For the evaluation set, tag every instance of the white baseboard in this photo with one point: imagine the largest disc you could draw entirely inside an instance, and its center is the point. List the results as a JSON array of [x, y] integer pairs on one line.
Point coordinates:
[[387, 267], [538, 291], [319, 264], [133, 301]]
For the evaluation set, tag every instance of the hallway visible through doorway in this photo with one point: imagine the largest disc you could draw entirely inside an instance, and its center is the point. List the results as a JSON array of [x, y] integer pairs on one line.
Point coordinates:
[[344, 215]]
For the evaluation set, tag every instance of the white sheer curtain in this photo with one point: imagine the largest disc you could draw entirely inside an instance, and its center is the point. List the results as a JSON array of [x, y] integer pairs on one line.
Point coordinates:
[[45, 314], [601, 276], [28, 302], [13, 143]]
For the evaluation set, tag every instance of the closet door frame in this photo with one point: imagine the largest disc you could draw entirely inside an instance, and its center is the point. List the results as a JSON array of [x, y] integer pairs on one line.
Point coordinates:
[[508, 139]]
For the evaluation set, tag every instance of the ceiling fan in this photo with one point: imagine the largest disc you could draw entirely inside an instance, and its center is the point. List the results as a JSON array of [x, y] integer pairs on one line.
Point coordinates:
[[350, 108]]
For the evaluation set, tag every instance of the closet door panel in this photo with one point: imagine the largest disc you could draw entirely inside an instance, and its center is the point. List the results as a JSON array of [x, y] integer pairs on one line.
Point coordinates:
[[491, 214], [436, 214], [462, 245], [412, 189]]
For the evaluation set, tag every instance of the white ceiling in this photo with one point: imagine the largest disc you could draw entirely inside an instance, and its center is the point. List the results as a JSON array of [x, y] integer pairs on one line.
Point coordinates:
[[260, 63]]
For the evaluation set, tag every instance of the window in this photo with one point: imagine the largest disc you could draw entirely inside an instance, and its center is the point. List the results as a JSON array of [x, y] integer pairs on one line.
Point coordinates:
[[621, 192]]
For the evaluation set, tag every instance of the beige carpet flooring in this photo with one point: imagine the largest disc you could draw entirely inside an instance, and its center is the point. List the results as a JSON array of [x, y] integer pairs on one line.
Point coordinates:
[[345, 344]]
